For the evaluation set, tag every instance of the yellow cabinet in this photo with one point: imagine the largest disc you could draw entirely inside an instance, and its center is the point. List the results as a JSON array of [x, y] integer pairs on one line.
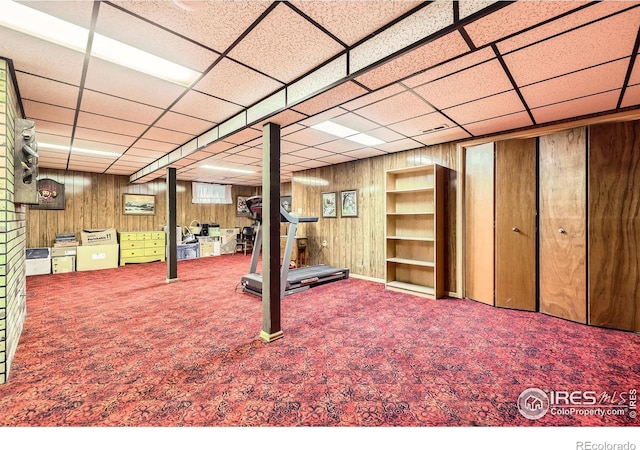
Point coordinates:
[[141, 246]]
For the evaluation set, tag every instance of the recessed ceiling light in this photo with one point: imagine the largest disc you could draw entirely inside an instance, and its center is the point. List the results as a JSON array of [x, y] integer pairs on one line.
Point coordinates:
[[227, 169], [334, 129], [87, 151], [365, 139], [345, 132], [35, 23]]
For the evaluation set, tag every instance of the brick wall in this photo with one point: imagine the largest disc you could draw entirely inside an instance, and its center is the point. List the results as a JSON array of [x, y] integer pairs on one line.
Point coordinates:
[[13, 303]]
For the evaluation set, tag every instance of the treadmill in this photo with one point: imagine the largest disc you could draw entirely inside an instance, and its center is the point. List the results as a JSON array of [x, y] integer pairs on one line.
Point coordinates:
[[291, 280]]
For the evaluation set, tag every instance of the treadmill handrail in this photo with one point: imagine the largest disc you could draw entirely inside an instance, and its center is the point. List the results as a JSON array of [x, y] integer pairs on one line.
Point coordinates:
[[295, 219]]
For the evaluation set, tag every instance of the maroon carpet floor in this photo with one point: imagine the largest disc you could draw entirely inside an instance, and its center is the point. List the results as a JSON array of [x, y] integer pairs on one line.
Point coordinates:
[[121, 347]]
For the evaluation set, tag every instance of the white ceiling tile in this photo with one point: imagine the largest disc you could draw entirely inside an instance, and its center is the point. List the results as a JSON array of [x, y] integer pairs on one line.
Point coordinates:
[[513, 18], [43, 137], [442, 70], [253, 152], [408, 31], [469, 7], [291, 159], [130, 158], [355, 122], [96, 145], [486, 108], [317, 80], [337, 159], [146, 36], [366, 152], [395, 109], [447, 135], [236, 83], [578, 107], [323, 116], [312, 153], [41, 58], [373, 97], [339, 146], [470, 84], [418, 125], [100, 122], [284, 119], [385, 134], [48, 129], [595, 11], [588, 46], [142, 151], [218, 147], [631, 96], [42, 111], [497, 124], [112, 79], [205, 107], [118, 108], [47, 91], [103, 136], [399, 145], [164, 135], [353, 21], [578, 84], [309, 136], [216, 24], [243, 136], [285, 52], [186, 124], [422, 58], [289, 147]]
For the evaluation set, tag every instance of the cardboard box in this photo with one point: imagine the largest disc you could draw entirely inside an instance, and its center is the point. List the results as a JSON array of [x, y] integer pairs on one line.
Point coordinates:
[[63, 264], [99, 237], [97, 257], [38, 261], [209, 248], [63, 251]]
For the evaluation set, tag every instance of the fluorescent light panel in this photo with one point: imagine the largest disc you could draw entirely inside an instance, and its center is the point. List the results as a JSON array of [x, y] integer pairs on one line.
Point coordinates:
[[87, 151], [341, 131], [226, 169], [43, 26]]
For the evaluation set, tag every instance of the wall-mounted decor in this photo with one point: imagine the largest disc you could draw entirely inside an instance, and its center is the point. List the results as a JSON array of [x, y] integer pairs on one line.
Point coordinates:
[[139, 204], [241, 207], [329, 204], [50, 194], [349, 203], [285, 202]]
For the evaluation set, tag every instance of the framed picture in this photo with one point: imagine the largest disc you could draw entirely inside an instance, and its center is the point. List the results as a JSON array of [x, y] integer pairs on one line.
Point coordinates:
[[349, 203], [139, 204], [50, 195], [285, 202], [241, 207], [329, 204]]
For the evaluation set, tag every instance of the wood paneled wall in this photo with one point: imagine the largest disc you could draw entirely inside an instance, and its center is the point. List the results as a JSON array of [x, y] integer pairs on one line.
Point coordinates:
[[95, 201], [358, 242]]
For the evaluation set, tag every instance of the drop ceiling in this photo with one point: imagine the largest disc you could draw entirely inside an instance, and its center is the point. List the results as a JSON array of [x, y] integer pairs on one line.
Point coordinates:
[[406, 72]]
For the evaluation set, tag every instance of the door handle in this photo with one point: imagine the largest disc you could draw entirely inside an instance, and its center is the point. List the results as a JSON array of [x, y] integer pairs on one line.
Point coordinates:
[[516, 229], [562, 231]]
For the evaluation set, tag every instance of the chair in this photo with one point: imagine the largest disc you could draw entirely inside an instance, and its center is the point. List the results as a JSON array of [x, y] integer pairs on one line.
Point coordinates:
[[245, 239]]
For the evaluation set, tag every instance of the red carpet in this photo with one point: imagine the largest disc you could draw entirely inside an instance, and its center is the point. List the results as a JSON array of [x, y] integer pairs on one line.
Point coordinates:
[[121, 347]]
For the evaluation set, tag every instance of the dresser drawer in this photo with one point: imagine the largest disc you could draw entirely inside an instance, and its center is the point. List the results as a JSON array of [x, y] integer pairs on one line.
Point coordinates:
[[131, 253], [154, 243], [154, 251], [131, 244]]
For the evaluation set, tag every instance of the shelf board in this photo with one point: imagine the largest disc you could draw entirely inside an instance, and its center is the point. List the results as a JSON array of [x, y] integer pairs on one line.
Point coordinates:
[[411, 287], [412, 238], [417, 213], [410, 191], [412, 262]]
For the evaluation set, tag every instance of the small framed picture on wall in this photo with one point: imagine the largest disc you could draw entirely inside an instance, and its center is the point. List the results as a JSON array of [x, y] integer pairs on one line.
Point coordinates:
[[329, 204], [349, 203]]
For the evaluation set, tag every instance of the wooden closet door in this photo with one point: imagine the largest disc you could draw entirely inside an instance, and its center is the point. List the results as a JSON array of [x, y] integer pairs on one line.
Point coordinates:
[[479, 227], [515, 199], [614, 225], [562, 253]]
